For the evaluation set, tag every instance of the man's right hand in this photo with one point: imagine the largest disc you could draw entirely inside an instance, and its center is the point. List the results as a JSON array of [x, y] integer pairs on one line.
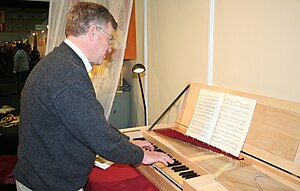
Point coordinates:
[[151, 157]]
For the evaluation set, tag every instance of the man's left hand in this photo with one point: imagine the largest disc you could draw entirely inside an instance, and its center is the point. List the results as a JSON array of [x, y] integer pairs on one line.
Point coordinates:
[[143, 144]]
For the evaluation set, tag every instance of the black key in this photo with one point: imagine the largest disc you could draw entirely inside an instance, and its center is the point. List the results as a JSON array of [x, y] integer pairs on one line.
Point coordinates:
[[176, 163], [179, 168], [159, 150], [191, 176], [176, 167], [186, 173], [140, 139]]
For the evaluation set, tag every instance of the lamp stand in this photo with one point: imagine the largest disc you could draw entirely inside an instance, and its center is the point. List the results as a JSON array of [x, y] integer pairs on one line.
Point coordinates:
[[144, 103]]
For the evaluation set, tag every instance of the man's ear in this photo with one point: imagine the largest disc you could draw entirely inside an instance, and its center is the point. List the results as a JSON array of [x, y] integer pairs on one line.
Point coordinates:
[[91, 33]]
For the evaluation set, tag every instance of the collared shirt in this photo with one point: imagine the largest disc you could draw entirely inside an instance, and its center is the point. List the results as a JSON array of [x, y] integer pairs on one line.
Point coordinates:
[[86, 62]]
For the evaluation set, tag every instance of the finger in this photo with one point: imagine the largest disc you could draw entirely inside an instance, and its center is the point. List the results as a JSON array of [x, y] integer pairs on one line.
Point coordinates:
[[150, 147], [147, 145], [166, 159]]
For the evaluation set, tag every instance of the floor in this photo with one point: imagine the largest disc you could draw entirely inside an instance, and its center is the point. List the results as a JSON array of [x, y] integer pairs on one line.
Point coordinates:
[[8, 140], [8, 136], [7, 93]]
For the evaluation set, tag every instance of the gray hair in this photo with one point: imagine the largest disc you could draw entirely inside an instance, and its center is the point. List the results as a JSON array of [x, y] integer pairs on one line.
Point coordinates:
[[84, 14]]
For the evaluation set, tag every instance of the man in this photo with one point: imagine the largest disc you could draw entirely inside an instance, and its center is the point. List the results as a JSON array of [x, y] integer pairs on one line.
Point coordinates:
[[21, 67], [62, 123], [35, 57]]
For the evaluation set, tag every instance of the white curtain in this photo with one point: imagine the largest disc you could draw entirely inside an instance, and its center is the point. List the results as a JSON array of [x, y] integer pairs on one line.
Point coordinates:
[[105, 77]]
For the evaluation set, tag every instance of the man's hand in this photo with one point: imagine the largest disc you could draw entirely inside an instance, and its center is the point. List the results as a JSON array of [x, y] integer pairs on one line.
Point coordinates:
[[151, 157], [143, 144]]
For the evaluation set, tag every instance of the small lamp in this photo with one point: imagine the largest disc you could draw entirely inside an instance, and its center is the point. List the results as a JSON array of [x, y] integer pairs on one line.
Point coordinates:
[[138, 69]]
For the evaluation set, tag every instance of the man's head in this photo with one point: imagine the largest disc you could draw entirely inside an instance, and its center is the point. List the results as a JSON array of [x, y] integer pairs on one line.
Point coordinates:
[[90, 26], [28, 47], [19, 46]]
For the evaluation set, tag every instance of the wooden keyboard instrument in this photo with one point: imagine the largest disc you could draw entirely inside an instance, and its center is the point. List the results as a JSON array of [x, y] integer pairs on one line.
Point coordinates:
[[270, 158]]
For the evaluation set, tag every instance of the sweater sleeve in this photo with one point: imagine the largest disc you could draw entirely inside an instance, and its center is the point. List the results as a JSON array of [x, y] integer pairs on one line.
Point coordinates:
[[83, 116], [117, 130], [16, 62]]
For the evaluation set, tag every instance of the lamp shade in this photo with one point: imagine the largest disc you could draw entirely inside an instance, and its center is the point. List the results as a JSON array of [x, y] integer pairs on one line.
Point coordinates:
[[138, 68]]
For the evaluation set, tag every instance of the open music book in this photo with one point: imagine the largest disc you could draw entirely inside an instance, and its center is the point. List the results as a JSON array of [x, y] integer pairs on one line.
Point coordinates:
[[102, 163], [222, 120]]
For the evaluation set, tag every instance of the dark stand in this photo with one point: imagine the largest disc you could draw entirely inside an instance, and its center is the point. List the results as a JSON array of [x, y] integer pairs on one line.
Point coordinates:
[[163, 114]]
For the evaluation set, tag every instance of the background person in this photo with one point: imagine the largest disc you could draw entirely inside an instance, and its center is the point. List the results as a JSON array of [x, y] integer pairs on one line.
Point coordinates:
[[35, 57], [21, 67]]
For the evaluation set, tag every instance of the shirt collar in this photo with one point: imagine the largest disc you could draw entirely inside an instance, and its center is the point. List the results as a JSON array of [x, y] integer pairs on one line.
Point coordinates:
[[86, 62]]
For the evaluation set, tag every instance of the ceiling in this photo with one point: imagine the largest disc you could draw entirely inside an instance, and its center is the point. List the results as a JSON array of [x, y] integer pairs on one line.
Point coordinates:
[[21, 17], [22, 4]]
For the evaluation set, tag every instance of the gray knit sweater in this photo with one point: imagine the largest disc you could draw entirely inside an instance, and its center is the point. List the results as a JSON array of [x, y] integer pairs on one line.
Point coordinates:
[[21, 63], [62, 126]]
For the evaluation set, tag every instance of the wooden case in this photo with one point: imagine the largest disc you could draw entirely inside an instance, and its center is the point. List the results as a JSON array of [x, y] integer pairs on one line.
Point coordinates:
[[271, 148]]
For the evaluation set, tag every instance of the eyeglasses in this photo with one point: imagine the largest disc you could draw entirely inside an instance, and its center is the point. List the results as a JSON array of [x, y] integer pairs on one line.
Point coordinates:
[[111, 39]]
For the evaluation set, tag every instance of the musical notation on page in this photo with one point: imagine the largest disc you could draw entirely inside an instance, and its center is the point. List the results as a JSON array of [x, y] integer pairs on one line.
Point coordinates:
[[222, 120]]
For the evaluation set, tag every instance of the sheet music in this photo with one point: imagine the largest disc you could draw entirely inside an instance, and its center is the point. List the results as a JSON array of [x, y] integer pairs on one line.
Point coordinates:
[[222, 120], [233, 124], [205, 116]]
